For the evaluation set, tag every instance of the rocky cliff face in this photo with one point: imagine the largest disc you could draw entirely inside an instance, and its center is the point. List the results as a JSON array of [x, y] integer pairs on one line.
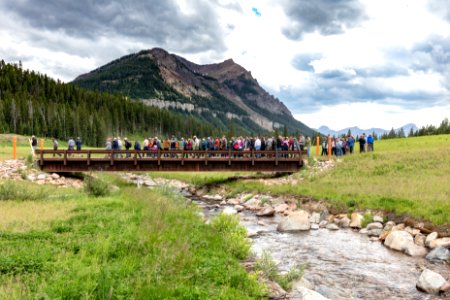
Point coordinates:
[[170, 81]]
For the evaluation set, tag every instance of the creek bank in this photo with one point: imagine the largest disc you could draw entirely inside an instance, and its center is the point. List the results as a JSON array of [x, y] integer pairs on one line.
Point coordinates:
[[18, 170], [282, 215]]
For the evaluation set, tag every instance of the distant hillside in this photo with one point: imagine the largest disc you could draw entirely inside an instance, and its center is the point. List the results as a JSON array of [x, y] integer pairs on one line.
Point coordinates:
[[357, 131], [223, 94]]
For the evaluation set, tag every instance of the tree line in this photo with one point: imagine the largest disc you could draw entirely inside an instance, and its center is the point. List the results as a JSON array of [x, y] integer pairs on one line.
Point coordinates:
[[32, 103], [443, 128]]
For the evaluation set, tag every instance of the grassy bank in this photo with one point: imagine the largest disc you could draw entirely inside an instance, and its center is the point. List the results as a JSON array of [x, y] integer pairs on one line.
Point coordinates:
[[133, 244], [404, 176]]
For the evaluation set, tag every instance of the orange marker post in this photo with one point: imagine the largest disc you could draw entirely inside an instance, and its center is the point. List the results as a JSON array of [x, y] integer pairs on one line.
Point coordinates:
[[14, 147], [329, 147], [317, 146], [42, 144]]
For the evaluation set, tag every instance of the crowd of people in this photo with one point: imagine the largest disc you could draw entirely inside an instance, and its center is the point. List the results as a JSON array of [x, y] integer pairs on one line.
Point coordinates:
[[339, 146], [346, 145]]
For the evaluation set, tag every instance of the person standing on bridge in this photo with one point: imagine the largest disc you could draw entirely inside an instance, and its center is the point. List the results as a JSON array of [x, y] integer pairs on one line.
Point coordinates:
[[55, 146], [78, 143]]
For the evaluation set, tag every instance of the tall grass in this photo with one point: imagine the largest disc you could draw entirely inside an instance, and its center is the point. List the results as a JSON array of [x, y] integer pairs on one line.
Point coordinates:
[[133, 244]]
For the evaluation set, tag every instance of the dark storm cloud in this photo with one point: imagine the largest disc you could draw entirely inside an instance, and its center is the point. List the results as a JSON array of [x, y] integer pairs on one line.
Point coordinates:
[[325, 16], [152, 21]]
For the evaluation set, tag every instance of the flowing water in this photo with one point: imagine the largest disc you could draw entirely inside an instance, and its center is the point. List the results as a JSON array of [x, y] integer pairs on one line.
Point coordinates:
[[341, 264]]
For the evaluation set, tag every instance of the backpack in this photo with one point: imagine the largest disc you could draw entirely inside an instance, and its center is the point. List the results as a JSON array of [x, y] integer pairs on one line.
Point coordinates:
[[236, 146]]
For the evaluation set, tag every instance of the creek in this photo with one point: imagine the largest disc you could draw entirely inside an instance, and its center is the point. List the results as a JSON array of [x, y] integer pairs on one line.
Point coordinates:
[[341, 264]]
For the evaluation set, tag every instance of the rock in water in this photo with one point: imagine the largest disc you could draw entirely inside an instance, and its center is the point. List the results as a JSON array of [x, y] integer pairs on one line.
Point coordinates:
[[443, 242], [296, 221], [332, 226], [356, 220], [266, 212], [414, 250], [439, 254], [307, 294], [430, 282], [275, 290], [431, 237], [398, 240]]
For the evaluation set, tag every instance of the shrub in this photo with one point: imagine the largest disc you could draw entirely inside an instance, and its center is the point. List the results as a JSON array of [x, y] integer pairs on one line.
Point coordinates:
[[235, 234], [13, 191], [96, 187], [367, 218]]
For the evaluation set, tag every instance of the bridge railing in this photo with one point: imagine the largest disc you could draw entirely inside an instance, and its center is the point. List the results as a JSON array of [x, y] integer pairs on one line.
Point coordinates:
[[167, 155]]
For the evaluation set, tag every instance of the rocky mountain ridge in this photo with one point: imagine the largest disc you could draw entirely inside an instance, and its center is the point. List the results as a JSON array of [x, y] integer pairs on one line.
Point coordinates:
[[224, 90]]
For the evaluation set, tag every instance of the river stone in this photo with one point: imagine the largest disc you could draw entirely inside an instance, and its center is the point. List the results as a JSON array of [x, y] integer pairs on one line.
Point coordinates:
[[296, 221], [233, 202], [378, 219], [443, 242], [383, 235], [344, 222], [302, 282], [430, 282], [438, 254], [374, 225], [398, 227], [275, 290], [374, 232], [323, 223], [315, 226], [281, 208], [332, 226], [212, 197], [389, 225], [419, 240], [414, 250], [364, 231], [41, 176], [238, 208], [356, 220], [149, 183], [229, 210], [267, 211], [55, 176], [412, 231], [398, 240], [431, 237], [314, 218], [307, 294]]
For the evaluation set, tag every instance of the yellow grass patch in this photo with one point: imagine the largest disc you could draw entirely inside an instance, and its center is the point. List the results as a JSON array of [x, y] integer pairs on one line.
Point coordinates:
[[28, 215]]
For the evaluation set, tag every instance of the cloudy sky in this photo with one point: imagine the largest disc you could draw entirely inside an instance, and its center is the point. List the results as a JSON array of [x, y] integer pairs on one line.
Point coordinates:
[[338, 63]]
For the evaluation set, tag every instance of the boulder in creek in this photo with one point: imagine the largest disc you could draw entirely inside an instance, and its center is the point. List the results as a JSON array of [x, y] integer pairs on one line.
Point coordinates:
[[374, 225], [412, 231], [398, 240], [275, 290], [398, 227], [419, 240], [383, 235], [239, 208], [281, 208], [42, 176], [378, 219], [356, 220], [438, 254], [296, 221], [306, 294], [267, 211], [233, 201], [364, 231], [430, 282], [332, 226], [212, 197], [344, 222], [443, 242], [314, 226], [55, 176], [314, 218], [417, 251], [389, 225], [375, 232], [431, 237]]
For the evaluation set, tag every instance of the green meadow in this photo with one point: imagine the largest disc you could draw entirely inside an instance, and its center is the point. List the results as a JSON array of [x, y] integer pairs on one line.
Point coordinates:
[[130, 244]]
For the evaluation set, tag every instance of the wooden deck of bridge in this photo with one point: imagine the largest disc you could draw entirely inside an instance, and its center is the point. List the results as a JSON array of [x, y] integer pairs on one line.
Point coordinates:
[[182, 161]]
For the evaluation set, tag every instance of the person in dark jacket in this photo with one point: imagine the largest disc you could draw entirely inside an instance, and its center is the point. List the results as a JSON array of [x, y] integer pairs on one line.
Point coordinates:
[[362, 143], [137, 147], [78, 143]]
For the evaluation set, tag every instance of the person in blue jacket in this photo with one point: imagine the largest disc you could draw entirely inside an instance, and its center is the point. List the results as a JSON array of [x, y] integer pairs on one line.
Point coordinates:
[[370, 141]]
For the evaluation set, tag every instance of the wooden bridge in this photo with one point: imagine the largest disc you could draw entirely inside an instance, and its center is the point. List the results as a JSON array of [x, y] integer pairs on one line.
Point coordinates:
[[181, 161]]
